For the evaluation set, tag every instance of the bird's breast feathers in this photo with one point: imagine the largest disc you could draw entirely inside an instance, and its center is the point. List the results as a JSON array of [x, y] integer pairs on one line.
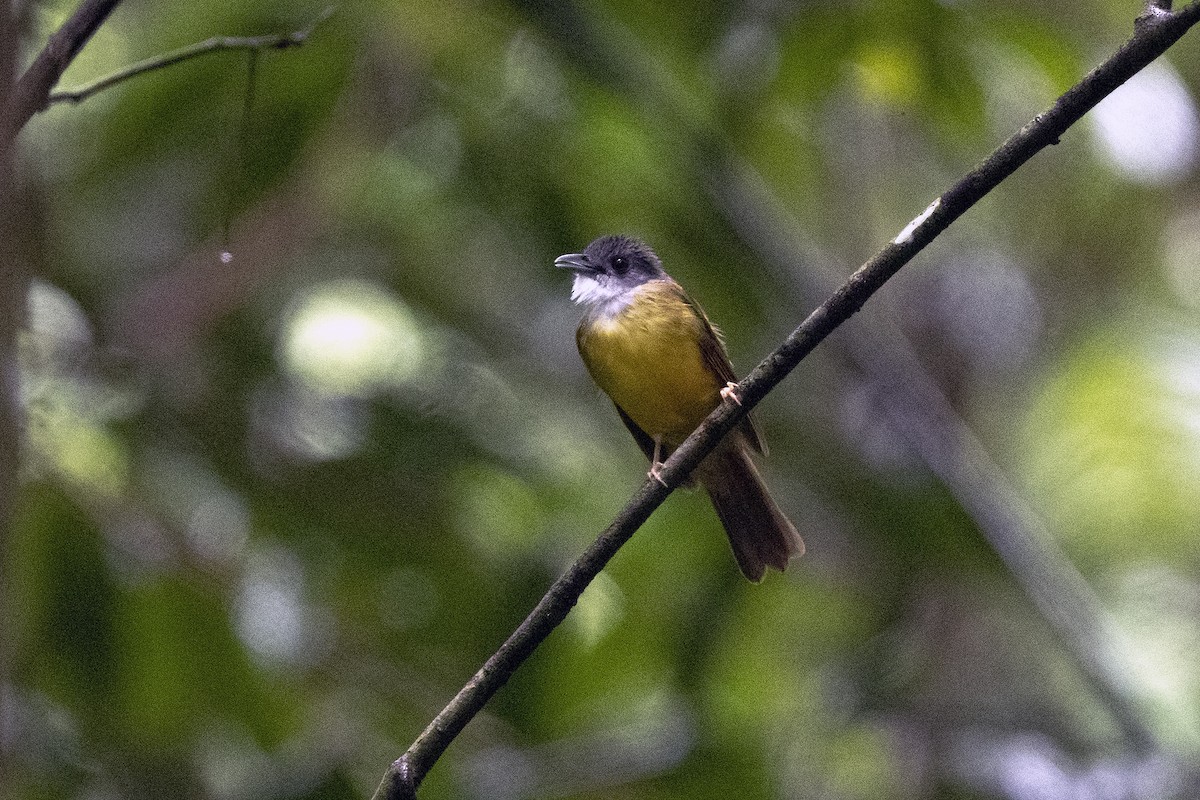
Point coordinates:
[[646, 356]]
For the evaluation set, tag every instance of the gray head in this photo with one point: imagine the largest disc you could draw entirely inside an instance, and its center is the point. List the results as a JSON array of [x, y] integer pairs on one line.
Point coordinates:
[[609, 268]]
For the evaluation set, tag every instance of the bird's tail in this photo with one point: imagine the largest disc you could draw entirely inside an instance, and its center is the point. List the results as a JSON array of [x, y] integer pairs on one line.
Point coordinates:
[[760, 534]]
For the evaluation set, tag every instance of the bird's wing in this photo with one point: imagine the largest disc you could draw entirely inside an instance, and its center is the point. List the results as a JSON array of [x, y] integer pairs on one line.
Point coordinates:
[[712, 350], [644, 440]]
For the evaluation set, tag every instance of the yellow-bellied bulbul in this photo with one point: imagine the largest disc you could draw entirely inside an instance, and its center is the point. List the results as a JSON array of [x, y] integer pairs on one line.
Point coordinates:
[[662, 363]]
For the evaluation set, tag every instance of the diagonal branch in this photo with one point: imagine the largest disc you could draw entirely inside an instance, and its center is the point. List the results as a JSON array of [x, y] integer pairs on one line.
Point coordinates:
[[1153, 35], [916, 407], [215, 44], [32, 92]]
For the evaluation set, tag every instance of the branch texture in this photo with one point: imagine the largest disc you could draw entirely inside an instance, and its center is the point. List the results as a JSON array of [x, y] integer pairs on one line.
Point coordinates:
[[1153, 35]]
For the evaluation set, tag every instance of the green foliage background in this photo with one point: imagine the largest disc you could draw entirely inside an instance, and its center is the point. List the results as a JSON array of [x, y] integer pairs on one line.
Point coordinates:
[[278, 510]]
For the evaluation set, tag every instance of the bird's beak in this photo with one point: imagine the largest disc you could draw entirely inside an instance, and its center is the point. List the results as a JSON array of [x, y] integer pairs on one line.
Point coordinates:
[[576, 261]]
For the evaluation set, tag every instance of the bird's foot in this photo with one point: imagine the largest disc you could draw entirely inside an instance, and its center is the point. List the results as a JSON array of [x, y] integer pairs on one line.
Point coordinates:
[[730, 392], [655, 472]]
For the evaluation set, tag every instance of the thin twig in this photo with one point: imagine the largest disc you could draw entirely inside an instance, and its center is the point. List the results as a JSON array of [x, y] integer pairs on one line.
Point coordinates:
[[242, 145], [215, 44], [1151, 38]]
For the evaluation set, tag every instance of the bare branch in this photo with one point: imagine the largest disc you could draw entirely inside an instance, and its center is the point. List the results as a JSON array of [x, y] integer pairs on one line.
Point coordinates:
[[1153, 35], [32, 92], [916, 407], [216, 44]]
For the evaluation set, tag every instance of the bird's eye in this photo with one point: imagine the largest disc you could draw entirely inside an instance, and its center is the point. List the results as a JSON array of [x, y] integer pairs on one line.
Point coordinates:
[[620, 265]]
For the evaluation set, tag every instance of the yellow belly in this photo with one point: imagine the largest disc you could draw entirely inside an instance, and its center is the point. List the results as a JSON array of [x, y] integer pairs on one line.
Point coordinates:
[[647, 359]]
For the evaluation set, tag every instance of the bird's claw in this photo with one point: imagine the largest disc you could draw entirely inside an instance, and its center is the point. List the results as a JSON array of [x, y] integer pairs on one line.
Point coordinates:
[[730, 392], [655, 472]]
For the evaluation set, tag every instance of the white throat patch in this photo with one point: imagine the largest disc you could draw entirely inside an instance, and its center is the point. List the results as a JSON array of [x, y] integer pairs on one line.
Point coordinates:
[[605, 297]]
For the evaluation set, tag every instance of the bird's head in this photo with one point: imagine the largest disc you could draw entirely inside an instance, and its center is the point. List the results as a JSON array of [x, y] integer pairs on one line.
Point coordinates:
[[609, 269]]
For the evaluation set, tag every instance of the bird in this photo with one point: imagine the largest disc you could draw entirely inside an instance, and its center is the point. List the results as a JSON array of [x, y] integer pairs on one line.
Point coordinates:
[[653, 351]]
